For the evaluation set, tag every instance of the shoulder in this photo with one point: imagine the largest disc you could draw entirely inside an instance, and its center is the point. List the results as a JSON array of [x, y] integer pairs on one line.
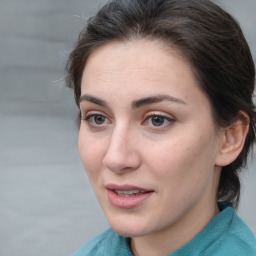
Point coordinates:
[[238, 240], [94, 246], [108, 243], [226, 234]]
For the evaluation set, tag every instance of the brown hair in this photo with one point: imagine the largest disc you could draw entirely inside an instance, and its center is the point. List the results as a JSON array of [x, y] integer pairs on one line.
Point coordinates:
[[209, 38]]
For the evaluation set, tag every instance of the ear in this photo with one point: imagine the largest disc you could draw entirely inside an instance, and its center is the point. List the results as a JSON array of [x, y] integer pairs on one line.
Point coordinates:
[[232, 140]]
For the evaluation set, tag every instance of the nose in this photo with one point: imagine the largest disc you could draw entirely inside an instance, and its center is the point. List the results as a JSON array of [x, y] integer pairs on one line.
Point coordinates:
[[122, 153]]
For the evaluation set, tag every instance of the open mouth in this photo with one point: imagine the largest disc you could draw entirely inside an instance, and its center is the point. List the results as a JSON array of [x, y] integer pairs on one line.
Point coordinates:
[[129, 193], [127, 196]]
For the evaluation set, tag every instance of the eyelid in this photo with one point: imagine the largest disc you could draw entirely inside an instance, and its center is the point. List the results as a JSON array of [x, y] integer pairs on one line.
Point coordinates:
[[168, 120], [90, 113], [88, 117], [158, 113]]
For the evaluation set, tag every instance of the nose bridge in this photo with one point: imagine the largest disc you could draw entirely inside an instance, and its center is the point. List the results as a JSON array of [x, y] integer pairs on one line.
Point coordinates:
[[119, 138], [121, 153]]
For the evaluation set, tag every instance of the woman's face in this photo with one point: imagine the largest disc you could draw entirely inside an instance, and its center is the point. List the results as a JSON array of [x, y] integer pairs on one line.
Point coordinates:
[[147, 140]]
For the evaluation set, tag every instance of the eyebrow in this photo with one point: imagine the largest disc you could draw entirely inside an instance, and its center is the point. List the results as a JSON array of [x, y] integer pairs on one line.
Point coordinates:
[[90, 98], [156, 99], [136, 103]]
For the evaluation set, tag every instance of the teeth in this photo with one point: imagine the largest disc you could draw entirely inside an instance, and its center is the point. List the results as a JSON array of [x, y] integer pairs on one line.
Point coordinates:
[[128, 193]]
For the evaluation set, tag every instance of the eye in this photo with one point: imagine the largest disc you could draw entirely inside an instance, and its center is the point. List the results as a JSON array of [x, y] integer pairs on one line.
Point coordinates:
[[95, 119], [98, 119], [159, 120]]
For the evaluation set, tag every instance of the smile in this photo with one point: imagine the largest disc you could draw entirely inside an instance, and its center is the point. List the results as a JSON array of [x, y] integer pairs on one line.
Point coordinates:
[[127, 196], [129, 193]]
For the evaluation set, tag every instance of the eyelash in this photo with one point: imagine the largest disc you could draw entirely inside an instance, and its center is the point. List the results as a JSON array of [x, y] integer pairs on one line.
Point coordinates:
[[163, 117], [88, 119]]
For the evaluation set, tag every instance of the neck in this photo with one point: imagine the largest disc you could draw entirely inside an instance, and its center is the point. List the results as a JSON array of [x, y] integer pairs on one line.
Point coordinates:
[[164, 242]]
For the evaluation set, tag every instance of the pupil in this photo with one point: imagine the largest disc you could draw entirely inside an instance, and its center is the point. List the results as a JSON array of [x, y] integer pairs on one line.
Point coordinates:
[[99, 119], [157, 120]]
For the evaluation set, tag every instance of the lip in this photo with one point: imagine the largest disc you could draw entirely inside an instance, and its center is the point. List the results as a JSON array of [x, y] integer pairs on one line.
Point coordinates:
[[127, 202], [125, 187]]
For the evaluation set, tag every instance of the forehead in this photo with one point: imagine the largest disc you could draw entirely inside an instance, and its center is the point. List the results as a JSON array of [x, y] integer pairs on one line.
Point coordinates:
[[134, 56], [139, 67], [139, 53]]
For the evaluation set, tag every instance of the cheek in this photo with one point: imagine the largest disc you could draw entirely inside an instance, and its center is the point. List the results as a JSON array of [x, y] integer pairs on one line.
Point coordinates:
[[180, 158], [182, 169], [91, 154]]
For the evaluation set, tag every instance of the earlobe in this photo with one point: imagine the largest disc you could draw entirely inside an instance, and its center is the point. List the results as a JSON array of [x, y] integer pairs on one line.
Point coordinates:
[[233, 139]]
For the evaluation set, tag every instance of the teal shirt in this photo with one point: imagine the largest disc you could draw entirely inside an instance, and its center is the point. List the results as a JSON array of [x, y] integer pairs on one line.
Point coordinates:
[[225, 235]]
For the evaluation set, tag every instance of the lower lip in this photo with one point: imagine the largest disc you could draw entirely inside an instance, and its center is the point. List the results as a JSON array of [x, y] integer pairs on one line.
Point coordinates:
[[127, 202]]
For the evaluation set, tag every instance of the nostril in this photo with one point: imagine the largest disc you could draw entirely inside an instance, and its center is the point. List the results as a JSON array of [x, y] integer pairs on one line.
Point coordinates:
[[121, 154], [120, 161]]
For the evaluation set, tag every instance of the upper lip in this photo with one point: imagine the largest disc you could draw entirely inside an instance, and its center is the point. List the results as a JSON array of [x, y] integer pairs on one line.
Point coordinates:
[[126, 187]]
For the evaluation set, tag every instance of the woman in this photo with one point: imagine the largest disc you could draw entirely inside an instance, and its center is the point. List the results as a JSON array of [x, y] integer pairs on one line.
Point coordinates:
[[165, 93]]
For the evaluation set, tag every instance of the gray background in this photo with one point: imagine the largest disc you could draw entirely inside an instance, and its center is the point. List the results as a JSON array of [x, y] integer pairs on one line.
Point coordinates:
[[47, 206]]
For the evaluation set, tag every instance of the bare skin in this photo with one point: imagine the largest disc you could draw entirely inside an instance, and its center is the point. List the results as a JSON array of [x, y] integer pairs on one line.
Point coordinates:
[[146, 123]]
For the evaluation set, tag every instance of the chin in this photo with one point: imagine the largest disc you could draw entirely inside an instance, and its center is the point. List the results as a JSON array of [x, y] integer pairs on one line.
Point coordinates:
[[129, 227], [129, 232]]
